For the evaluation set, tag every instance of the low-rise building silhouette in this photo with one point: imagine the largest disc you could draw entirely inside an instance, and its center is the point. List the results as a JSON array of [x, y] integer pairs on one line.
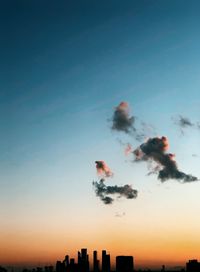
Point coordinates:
[[193, 266], [3, 269], [124, 264]]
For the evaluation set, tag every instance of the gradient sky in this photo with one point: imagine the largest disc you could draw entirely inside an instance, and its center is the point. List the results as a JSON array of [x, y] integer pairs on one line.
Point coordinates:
[[65, 65]]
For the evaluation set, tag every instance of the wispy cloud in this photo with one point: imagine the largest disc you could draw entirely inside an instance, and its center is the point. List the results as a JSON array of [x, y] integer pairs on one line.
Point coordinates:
[[185, 123]]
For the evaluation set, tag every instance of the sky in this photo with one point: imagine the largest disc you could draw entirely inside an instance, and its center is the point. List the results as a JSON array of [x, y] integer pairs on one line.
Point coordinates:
[[65, 67]]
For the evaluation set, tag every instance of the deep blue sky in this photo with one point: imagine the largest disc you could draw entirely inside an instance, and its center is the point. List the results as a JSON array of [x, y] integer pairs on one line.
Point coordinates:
[[64, 57]]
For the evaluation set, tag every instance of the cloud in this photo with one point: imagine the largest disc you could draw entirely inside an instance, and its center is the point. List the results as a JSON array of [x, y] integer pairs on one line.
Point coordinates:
[[147, 130], [155, 149], [102, 169], [128, 149], [122, 121], [117, 214], [185, 123], [104, 192]]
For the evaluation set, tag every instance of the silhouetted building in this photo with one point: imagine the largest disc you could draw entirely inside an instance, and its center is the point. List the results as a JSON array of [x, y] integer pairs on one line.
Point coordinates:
[[95, 262], [72, 267], [88, 265], [2, 269], [105, 261], [193, 266], [84, 253], [60, 266], [79, 258], [66, 260], [83, 260], [163, 268], [124, 264], [48, 268]]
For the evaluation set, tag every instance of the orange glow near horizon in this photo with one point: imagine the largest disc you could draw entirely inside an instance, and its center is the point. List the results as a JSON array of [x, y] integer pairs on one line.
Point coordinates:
[[153, 250], [154, 230]]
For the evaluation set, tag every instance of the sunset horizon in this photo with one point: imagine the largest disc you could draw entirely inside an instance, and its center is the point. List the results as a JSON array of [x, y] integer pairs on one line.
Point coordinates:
[[139, 263]]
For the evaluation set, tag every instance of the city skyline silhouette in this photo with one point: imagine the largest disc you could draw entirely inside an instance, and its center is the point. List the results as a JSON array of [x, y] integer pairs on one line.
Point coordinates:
[[85, 263]]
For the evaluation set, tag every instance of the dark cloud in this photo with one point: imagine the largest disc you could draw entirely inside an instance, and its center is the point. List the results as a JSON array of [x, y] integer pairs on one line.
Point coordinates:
[[122, 121], [102, 169], [104, 192], [155, 149]]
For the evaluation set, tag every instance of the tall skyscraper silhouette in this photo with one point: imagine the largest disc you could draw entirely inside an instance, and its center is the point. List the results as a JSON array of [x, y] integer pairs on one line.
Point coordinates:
[[84, 260], [84, 254], [95, 262], [66, 260], [105, 261]]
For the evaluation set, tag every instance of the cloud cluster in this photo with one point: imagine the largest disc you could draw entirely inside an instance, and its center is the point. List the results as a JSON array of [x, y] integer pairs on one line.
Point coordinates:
[[155, 149], [104, 192], [153, 152]]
